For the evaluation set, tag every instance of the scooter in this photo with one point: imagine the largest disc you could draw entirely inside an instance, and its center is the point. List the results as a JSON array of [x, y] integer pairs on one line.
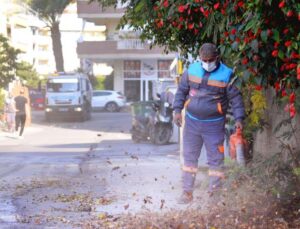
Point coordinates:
[[161, 128], [156, 125]]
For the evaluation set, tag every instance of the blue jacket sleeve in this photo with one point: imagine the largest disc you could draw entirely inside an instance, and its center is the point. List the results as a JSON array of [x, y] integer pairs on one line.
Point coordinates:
[[236, 102], [181, 93]]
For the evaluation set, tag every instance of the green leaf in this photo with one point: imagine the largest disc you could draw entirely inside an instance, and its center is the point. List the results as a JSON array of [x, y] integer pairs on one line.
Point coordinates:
[[251, 24], [235, 46], [264, 35], [254, 45], [222, 50], [276, 36], [139, 6], [281, 55], [246, 75], [295, 45]]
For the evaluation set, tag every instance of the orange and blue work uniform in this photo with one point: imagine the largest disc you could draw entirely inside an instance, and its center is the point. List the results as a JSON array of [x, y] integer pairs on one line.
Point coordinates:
[[206, 97]]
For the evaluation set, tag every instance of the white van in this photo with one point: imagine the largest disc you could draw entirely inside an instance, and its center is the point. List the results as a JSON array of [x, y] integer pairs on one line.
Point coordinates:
[[68, 95]]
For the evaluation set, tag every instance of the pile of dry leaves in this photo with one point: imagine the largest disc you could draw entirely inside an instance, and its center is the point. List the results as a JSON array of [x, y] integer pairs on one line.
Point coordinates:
[[241, 207]]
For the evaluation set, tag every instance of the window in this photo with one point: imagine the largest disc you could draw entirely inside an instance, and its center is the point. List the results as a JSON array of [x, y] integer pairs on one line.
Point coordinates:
[[101, 93], [163, 68], [62, 85], [132, 69]]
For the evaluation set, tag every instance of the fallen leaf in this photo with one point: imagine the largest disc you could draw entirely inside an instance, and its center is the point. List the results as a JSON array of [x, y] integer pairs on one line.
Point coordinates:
[[162, 202], [148, 199], [126, 206], [102, 216], [134, 157]]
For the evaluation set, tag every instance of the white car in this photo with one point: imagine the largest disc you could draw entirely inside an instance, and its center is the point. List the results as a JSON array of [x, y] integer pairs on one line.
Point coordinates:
[[111, 101]]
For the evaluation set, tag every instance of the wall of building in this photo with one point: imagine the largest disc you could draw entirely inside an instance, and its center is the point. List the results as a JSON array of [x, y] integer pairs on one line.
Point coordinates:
[[267, 142], [118, 75]]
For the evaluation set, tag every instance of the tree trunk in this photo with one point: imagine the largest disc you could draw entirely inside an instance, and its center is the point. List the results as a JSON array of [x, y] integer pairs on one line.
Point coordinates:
[[57, 47]]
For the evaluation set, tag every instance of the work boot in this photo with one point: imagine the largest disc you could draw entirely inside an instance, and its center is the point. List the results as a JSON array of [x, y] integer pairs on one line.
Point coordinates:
[[185, 198]]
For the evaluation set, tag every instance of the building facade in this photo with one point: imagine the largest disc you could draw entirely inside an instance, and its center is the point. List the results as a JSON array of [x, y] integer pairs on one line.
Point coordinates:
[[136, 67], [28, 33]]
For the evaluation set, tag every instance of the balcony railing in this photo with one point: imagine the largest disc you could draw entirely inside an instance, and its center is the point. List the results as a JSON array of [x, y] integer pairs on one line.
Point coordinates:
[[150, 74], [131, 44], [94, 10], [120, 49]]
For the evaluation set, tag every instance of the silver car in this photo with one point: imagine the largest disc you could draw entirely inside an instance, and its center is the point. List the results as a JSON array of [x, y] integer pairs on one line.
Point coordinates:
[[109, 100]]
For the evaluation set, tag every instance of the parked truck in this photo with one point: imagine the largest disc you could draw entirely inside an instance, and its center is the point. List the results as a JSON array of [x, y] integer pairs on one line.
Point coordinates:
[[68, 95]]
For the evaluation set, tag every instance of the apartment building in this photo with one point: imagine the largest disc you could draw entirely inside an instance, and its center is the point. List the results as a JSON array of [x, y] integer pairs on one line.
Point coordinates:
[[28, 33], [136, 67]]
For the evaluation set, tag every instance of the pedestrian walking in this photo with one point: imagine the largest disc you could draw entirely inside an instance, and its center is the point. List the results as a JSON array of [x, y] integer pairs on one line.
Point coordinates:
[[21, 110], [205, 91], [10, 112]]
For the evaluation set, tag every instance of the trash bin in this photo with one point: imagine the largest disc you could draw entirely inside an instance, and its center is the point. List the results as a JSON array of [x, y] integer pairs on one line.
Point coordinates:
[[140, 111]]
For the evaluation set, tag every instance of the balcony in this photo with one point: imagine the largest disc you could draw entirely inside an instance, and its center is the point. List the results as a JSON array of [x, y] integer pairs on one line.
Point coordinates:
[[131, 44], [120, 50], [95, 13]]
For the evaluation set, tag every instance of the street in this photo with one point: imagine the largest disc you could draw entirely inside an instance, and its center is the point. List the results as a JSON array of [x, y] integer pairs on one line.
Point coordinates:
[[65, 173]]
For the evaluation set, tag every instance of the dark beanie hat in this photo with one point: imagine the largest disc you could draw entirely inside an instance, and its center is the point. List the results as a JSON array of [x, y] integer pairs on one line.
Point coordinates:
[[208, 50]]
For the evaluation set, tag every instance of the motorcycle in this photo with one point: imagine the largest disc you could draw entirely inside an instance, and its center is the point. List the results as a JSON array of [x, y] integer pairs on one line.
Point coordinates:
[[155, 124], [162, 126]]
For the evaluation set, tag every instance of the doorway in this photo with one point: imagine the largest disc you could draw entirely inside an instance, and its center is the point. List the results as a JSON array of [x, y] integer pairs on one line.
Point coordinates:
[[146, 90], [138, 90], [132, 90]]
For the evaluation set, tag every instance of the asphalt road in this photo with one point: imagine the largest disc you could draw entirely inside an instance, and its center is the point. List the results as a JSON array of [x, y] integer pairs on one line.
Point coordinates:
[[65, 173]]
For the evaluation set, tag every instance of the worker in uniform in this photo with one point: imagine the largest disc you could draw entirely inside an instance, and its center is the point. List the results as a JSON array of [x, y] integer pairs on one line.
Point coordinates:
[[205, 91]]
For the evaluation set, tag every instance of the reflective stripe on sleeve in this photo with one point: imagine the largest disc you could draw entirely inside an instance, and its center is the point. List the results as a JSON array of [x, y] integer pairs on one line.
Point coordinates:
[[187, 103]]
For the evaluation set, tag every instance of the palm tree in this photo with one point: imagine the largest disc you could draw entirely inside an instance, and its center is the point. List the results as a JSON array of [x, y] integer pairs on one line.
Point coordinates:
[[50, 12]]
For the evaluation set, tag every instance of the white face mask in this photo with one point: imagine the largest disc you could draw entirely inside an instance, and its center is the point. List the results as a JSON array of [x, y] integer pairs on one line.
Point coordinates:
[[209, 66]]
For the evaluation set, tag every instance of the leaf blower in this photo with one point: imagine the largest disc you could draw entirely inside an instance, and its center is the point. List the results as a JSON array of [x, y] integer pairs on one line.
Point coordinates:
[[238, 147]]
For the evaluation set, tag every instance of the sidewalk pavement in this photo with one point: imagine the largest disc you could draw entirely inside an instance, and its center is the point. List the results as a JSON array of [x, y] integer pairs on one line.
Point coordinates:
[[148, 185], [145, 182], [10, 139]]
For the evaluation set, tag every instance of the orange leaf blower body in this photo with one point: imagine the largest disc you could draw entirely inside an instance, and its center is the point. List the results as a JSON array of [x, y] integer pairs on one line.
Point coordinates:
[[238, 146]]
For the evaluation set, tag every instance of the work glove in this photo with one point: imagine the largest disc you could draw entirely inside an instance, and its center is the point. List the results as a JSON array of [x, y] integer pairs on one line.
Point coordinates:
[[178, 119]]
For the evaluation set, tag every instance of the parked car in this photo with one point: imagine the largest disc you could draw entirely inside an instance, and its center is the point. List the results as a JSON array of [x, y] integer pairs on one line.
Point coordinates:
[[111, 101]]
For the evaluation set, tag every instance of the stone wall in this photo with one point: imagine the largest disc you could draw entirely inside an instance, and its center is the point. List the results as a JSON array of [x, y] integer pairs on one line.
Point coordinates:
[[267, 142]]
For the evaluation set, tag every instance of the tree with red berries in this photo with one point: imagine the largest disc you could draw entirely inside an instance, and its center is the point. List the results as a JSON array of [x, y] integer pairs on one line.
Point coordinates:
[[260, 38]]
